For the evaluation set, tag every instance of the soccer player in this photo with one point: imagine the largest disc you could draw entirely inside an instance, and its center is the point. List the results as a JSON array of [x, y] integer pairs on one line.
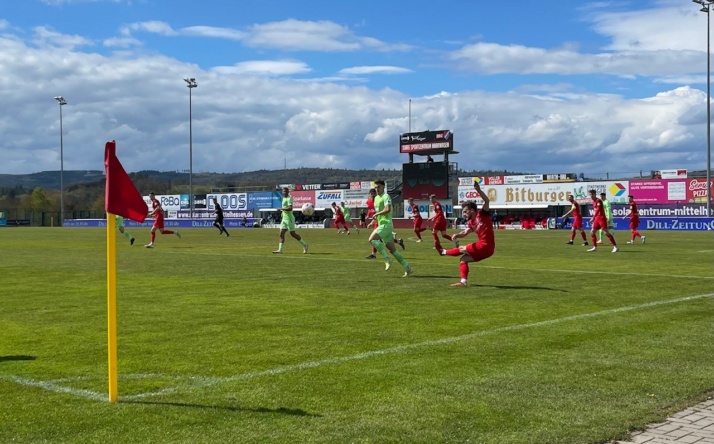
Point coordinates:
[[634, 216], [348, 216], [418, 220], [599, 222], [288, 223], [382, 237], [363, 219], [370, 215], [340, 219], [438, 221], [608, 213], [157, 212], [577, 220], [479, 222], [119, 222], [218, 223]]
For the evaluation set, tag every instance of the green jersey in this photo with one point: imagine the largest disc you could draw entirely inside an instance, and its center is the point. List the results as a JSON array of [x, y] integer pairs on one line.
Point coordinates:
[[288, 203], [346, 213], [607, 207], [380, 202]]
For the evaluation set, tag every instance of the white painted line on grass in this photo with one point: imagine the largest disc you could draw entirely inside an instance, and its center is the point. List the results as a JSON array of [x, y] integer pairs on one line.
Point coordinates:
[[211, 381], [203, 381]]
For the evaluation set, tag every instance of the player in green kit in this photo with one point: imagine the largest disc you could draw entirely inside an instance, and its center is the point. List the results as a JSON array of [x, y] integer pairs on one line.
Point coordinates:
[[382, 238], [607, 206], [119, 222], [288, 223]]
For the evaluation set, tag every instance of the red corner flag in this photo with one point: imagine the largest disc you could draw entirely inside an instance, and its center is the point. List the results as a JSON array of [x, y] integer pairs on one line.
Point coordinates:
[[121, 197]]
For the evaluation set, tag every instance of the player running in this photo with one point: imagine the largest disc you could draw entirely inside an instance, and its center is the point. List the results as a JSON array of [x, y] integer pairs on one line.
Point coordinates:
[[382, 236], [119, 223], [479, 222], [348, 216], [577, 220], [634, 216], [157, 212], [438, 221], [608, 213], [218, 223], [288, 223], [418, 220]]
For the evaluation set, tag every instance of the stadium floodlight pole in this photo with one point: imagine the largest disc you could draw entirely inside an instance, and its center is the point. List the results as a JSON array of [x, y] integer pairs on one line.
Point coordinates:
[[61, 102], [706, 8], [191, 84]]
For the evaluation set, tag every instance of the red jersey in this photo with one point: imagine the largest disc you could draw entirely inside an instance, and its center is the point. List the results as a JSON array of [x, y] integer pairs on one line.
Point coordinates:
[[157, 213], [599, 211], [338, 212], [634, 214], [370, 207], [438, 212], [483, 227], [576, 211], [415, 211]]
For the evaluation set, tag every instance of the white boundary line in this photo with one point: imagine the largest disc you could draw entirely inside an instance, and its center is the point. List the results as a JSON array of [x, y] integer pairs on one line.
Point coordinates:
[[202, 381], [301, 256]]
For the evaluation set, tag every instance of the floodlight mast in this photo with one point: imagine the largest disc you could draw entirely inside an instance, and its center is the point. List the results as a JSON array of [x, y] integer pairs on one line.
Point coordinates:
[[61, 101], [190, 83]]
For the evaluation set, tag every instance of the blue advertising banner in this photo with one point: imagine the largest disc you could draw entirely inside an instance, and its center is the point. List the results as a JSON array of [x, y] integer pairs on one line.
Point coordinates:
[[654, 223], [264, 199]]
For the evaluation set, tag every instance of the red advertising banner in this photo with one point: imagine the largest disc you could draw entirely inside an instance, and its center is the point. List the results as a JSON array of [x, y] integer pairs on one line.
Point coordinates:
[[302, 197], [659, 191], [697, 190]]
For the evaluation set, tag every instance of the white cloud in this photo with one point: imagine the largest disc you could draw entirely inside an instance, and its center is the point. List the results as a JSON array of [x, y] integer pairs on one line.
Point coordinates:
[[47, 37], [360, 70], [265, 67]]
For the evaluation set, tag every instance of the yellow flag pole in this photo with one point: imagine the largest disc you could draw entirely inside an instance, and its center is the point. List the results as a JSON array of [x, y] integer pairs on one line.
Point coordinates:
[[112, 306]]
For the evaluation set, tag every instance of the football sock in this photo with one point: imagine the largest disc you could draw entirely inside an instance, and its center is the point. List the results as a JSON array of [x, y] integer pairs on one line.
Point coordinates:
[[447, 237], [594, 239], [379, 245], [612, 239], [464, 269], [582, 233], [635, 234], [400, 259], [599, 235], [572, 235], [280, 246], [153, 236], [302, 242], [452, 251], [167, 232], [127, 235]]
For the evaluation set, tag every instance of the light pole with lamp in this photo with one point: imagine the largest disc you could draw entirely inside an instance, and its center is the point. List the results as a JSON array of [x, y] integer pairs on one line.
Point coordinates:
[[61, 102], [191, 84], [706, 8]]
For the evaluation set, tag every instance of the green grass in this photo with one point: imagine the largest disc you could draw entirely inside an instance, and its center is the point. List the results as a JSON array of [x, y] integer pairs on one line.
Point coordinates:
[[221, 341]]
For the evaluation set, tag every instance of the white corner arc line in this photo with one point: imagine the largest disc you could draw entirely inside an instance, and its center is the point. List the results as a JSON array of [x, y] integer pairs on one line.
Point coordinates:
[[212, 381]]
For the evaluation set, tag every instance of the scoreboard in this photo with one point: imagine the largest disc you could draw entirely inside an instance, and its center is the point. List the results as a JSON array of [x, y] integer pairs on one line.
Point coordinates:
[[419, 180]]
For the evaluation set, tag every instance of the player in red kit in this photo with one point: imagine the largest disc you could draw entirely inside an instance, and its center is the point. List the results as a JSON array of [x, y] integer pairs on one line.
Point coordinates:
[[438, 221], [599, 222], [577, 220], [339, 219], [157, 212], [479, 222], [634, 216], [418, 220]]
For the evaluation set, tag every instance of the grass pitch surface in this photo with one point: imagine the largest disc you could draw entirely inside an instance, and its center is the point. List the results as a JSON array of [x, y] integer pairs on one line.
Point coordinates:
[[222, 341]]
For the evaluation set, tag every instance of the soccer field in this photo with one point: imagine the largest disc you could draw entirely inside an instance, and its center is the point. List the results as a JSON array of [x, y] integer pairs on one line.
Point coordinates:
[[222, 341]]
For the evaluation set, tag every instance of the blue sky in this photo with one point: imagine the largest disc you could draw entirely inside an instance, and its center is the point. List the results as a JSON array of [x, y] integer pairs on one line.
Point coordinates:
[[555, 86]]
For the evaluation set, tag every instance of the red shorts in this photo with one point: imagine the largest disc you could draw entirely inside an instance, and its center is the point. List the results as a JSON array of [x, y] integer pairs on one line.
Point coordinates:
[[340, 220], [417, 222], [479, 251], [578, 223], [159, 223], [634, 223], [439, 225], [600, 224]]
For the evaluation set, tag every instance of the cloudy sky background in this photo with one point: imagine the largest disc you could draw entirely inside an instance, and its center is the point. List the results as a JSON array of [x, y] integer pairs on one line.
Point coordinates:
[[543, 87]]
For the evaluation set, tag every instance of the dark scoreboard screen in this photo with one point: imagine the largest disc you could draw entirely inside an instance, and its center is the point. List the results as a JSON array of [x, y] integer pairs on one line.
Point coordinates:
[[423, 179]]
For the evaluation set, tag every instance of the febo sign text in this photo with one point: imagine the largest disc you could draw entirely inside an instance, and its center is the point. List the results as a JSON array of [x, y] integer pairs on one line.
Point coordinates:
[[229, 201]]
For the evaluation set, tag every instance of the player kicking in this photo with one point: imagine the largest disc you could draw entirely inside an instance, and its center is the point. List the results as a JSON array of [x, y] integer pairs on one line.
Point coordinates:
[[157, 212], [577, 220], [599, 222], [479, 222]]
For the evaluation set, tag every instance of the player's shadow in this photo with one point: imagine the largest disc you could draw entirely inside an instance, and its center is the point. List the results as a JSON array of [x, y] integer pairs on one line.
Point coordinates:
[[278, 411], [17, 358], [502, 287]]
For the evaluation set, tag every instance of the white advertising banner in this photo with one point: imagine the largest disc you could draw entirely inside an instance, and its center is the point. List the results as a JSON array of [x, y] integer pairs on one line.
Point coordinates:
[[169, 202], [545, 194], [355, 198], [673, 174], [324, 199]]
